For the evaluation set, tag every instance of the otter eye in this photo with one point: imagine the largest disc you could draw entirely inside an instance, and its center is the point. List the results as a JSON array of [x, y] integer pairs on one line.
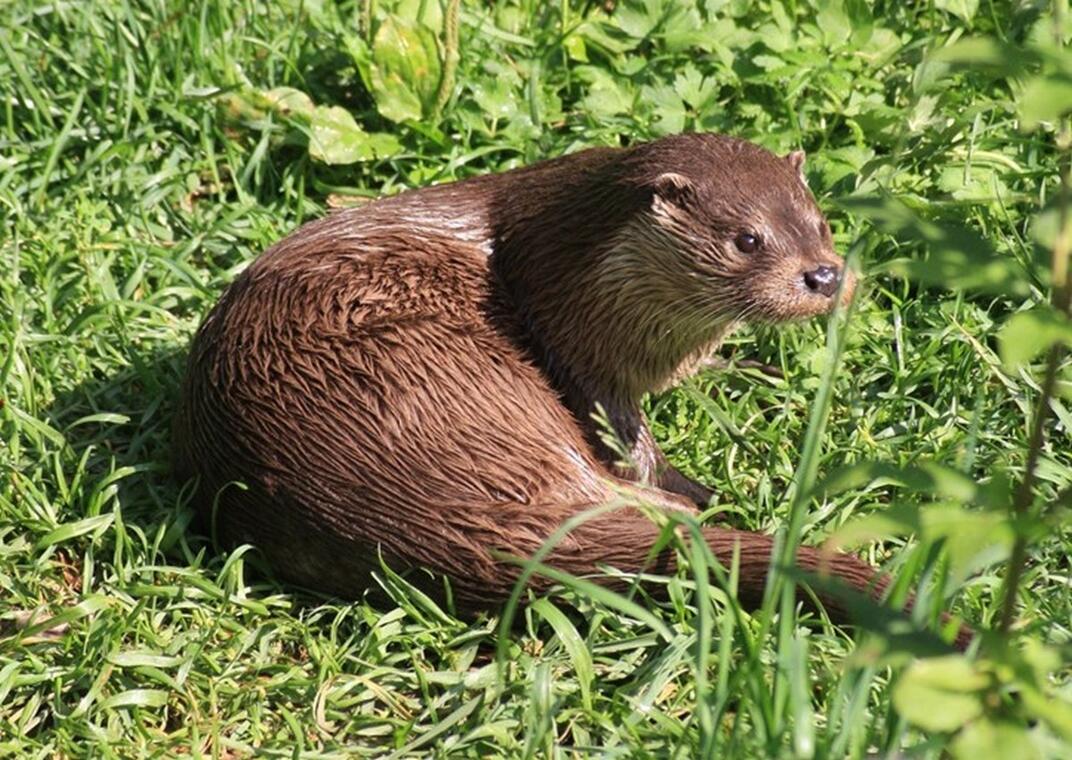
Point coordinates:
[[746, 242]]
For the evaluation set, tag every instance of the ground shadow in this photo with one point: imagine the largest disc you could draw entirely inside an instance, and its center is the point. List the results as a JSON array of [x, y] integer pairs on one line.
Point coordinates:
[[123, 421]]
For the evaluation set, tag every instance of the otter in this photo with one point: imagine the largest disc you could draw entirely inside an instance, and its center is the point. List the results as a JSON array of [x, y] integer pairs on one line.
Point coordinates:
[[414, 381]]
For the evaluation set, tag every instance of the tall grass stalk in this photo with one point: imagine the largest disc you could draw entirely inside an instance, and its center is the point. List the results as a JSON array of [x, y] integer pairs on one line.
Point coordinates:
[[450, 55]]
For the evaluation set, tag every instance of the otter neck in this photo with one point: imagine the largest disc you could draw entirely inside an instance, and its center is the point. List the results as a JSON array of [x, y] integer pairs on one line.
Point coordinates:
[[580, 260]]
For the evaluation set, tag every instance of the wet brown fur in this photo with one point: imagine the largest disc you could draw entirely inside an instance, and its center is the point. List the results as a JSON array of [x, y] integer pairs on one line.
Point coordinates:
[[415, 378]]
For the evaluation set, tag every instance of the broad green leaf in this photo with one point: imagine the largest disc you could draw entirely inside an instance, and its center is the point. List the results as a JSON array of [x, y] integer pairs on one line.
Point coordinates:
[[422, 12], [1036, 665], [1046, 226], [684, 29], [481, 678], [1045, 98], [693, 88], [988, 53], [383, 144], [924, 477], [1030, 333], [988, 739], [335, 138], [834, 21], [405, 69], [836, 164], [598, 36], [1040, 658], [252, 105], [242, 107], [966, 9], [973, 540], [979, 183], [575, 48], [922, 115], [638, 18], [666, 107], [957, 256], [940, 693], [606, 96], [1057, 713], [287, 100], [496, 98], [898, 520], [862, 19], [361, 53], [900, 634]]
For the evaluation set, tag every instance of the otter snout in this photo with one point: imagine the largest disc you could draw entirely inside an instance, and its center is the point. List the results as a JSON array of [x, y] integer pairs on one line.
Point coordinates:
[[823, 279]]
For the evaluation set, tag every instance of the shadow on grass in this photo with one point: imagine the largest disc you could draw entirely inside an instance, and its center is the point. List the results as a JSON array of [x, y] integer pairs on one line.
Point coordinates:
[[122, 423]]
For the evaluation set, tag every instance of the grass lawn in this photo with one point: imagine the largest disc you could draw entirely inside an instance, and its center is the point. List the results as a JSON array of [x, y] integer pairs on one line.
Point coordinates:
[[150, 149]]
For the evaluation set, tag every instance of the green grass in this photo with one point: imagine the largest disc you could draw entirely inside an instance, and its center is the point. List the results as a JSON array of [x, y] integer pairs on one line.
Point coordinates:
[[141, 167]]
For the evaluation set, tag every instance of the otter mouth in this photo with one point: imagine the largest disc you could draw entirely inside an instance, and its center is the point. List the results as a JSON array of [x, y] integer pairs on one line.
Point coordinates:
[[799, 295]]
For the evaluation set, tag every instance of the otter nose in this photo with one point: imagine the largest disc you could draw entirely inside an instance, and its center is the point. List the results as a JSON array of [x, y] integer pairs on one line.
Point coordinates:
[[823, 279]]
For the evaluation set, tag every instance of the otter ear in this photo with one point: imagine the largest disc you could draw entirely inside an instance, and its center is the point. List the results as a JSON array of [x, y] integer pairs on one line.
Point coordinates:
[[673, 187], [796, 160]]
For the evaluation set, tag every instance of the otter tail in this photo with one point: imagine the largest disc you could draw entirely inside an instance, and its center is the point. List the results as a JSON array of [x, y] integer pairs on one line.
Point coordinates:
[[624, 539]]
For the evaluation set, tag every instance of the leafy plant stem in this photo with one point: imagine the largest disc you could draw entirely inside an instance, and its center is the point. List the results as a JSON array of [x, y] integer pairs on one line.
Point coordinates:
[[1025, 490], [1060, 300]]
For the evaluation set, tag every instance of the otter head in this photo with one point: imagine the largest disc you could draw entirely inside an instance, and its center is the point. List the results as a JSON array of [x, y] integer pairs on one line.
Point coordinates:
[[631, 265], [739, 233]]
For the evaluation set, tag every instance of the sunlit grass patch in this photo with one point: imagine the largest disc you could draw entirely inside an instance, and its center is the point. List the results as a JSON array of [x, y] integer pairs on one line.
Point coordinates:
[[141, 169]]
